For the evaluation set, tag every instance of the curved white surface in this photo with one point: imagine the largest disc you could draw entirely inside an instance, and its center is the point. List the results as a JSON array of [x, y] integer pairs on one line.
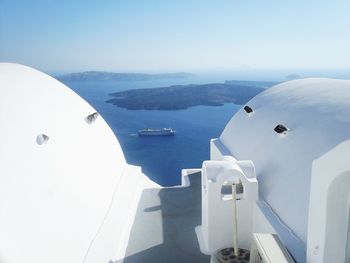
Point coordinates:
[[57, 199], [317, 111], [329, 232]]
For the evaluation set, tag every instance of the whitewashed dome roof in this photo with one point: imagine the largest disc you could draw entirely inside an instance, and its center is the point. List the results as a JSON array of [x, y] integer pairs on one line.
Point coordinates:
[[317, 112], [58, 173]]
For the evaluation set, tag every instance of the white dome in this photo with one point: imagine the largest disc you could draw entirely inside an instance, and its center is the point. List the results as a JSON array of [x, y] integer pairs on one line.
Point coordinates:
[[317, 112], [55, 195]]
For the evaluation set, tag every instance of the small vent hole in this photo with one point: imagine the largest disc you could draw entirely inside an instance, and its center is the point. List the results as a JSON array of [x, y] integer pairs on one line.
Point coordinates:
[[248, 109], [281, 129], [42, 139], [91, 118]]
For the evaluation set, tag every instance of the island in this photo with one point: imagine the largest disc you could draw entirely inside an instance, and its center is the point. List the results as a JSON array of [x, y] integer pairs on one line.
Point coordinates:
[[105, 76], [180, 97], [293, 76], [254, 83]]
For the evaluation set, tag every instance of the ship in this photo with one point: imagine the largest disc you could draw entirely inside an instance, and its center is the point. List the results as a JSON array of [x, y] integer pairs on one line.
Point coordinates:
[[157, 132], [275, 187]]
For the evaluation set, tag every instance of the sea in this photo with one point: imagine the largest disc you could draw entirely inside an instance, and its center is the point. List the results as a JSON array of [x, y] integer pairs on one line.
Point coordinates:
[[161, 157]]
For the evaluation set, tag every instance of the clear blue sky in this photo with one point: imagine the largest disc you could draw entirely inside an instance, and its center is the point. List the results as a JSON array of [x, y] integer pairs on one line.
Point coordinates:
[[164, 35]]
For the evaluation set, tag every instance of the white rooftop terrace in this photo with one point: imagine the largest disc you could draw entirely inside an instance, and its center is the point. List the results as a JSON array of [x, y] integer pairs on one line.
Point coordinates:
[[66, 188]]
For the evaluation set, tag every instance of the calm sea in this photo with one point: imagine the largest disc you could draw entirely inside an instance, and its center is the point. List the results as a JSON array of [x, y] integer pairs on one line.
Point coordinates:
[[161, 158]]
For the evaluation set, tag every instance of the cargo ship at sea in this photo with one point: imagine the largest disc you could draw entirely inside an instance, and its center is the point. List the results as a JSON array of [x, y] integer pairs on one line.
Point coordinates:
[[157, 132]]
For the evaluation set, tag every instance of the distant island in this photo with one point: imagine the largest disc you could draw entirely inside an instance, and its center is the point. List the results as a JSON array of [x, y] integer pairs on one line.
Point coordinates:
[[254, 83], [185, 96], [293, 76], [105, 76]]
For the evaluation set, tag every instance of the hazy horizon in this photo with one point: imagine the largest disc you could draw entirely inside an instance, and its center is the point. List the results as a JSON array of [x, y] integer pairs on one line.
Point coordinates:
[[161, 36], [251, 74]]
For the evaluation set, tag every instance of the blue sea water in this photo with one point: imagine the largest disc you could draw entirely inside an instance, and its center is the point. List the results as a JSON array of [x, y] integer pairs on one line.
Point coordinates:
[[163, 157]]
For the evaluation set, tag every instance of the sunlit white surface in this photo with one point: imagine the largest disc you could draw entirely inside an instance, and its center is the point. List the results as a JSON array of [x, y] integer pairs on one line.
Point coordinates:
[[317, 112], [70, 197]]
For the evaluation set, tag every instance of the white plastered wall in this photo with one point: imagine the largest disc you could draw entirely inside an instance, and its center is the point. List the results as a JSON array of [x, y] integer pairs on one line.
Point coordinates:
[[329, 207], [55, 198]]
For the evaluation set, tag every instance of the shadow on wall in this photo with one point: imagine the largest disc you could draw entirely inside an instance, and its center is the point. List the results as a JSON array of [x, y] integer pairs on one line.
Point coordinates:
[[164, 228]]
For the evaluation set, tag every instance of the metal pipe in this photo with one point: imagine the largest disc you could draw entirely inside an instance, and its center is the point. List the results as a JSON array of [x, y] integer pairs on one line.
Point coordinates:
[[234, 206]]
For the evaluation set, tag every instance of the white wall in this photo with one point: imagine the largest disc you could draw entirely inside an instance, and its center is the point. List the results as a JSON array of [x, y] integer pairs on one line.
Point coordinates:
[[329, 207], [317, 111], [216, 230], [53, 197]]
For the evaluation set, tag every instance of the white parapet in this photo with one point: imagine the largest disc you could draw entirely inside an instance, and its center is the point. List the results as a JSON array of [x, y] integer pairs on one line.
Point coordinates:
[[185, 173], [267, 248], [216, 230], [67, 193], [217, 149], [328, 230]]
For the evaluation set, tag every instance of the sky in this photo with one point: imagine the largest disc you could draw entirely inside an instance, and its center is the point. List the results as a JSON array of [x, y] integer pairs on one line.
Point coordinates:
[[181, 35]]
